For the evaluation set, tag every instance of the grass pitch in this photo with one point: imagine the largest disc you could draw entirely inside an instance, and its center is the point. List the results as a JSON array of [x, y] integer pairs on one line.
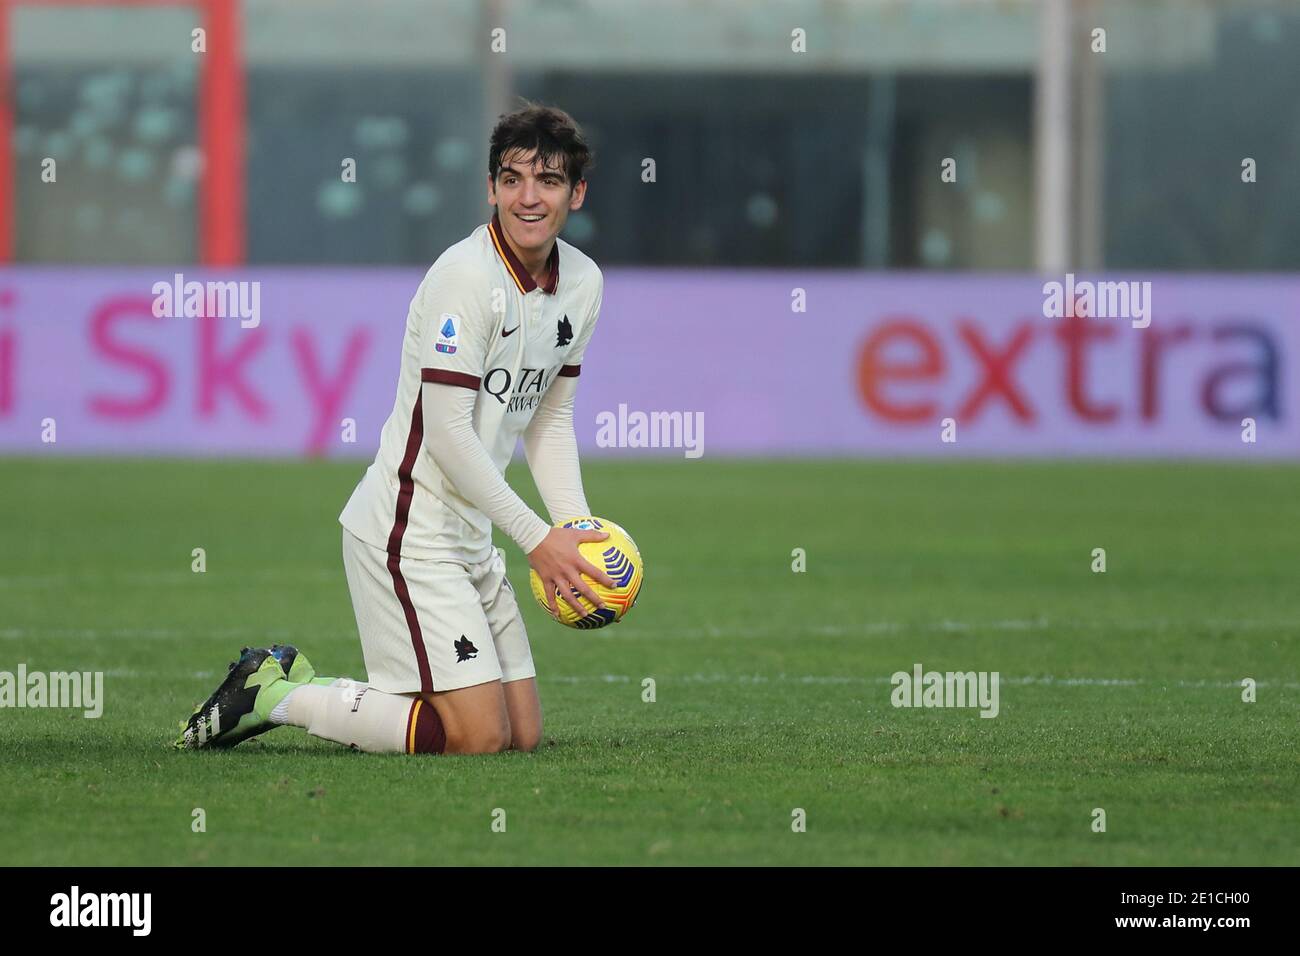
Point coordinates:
[[1119, 690]]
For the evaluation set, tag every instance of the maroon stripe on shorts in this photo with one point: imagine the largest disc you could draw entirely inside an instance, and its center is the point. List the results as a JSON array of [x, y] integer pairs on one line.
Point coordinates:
[[406, 491]]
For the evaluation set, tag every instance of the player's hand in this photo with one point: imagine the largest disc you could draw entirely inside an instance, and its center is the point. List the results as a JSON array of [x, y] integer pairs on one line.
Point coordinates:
[[560, 565]]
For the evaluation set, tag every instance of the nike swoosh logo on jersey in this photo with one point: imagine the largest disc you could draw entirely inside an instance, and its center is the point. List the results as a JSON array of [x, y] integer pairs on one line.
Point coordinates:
[[505, 334]]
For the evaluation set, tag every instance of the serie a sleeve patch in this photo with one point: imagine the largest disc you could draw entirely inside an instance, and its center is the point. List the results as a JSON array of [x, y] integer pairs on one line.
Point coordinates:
[[448, 330]]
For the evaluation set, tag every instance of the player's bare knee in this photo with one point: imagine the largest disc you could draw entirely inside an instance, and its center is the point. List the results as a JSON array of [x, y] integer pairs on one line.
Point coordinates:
[[527, 740], [488, 739]]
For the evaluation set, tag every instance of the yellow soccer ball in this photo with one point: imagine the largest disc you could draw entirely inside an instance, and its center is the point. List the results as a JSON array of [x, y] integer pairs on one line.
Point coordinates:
[[620, 559]]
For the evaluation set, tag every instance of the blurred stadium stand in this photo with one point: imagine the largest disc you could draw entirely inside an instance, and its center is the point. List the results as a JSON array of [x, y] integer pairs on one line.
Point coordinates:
[[765, 157]]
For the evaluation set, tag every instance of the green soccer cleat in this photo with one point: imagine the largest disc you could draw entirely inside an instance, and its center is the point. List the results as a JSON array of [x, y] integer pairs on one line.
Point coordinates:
[[241, 707], [297, 669]]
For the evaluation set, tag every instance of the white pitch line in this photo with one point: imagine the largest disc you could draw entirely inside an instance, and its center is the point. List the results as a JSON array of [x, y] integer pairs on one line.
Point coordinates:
[[814, 679], [823, 679], [944, 626], [266, 636], [249, 635], [155, 578]]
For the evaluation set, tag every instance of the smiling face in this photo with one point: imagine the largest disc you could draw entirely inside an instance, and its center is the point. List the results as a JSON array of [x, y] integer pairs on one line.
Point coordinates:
[[533, 200]]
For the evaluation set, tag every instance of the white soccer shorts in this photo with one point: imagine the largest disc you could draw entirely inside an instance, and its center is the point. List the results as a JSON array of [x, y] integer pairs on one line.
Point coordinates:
[[435, 625]]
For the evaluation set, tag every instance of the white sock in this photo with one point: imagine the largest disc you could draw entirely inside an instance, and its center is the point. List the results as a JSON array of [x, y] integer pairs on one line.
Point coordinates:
[[280, 715], [351, 713]]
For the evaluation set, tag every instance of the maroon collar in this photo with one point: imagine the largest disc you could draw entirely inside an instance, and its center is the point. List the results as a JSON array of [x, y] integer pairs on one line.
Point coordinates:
[[523, 279]]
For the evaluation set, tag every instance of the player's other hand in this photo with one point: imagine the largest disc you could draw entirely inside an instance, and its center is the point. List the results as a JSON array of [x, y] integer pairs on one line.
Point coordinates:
[[561, 566]]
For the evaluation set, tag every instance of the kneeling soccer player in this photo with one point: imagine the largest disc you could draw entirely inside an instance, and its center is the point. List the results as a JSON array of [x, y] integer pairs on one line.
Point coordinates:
[[494, 342]]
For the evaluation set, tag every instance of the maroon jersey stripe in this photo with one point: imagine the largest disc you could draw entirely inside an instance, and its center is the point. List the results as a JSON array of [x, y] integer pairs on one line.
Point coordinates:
[[406, 491], [570, 371], [443, 377]]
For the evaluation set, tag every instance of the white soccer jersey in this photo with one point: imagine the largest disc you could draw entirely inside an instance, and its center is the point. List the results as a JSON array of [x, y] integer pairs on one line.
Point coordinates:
[[479, 321]]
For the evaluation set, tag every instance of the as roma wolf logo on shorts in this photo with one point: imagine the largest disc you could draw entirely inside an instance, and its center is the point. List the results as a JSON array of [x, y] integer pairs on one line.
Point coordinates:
[[465, 649]]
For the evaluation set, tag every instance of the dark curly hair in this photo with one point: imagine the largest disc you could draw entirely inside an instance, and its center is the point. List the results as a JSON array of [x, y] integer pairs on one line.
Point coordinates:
[[552, 132]]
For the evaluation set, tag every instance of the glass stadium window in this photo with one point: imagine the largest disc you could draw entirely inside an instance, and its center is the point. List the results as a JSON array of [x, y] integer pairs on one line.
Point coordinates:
[[118, 124]]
